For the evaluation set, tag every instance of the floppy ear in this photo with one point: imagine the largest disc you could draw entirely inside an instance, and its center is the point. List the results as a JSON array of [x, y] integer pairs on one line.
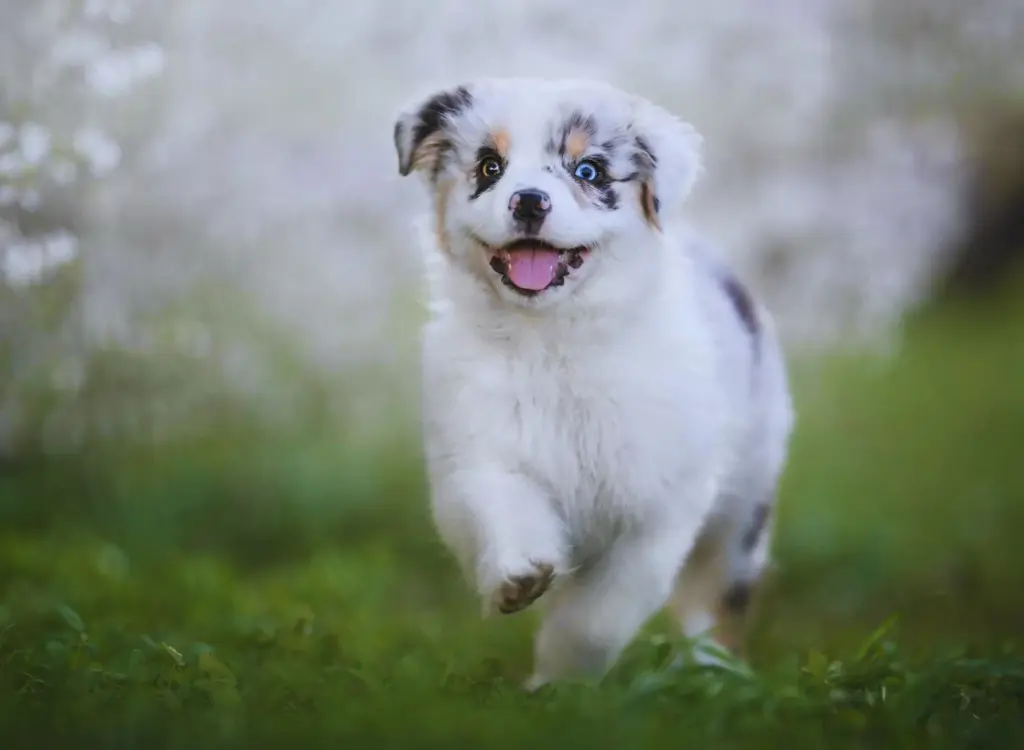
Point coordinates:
[[667, 157], [419, 131]]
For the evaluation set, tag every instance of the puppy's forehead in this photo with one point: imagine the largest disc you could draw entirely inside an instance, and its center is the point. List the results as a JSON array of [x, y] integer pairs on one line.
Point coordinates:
[[545, 115]]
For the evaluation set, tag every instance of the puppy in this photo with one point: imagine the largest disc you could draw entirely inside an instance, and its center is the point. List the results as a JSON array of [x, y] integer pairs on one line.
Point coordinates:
[[606, 412]]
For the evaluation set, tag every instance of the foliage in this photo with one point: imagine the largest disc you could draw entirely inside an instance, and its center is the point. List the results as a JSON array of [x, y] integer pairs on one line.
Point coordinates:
[[338, 673], [254, 585]]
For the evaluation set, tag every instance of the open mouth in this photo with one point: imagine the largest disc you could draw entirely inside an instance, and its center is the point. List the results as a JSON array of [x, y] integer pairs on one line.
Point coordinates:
[[529, 266]]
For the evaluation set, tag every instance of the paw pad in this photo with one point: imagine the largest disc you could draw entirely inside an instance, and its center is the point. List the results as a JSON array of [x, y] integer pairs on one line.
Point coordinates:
[[519, 592]]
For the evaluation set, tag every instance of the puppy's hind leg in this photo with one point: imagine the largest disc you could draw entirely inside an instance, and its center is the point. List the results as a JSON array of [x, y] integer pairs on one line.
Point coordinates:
[[717, 587]]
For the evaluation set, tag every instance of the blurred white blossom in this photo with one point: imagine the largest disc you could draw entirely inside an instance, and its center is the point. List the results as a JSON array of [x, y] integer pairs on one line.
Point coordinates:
[[24, 262], [30, 199], [34, 142], [7, 132], [78, 48], [63, 172], [12, 165], [97, 149], [117, 73], [116, 11]]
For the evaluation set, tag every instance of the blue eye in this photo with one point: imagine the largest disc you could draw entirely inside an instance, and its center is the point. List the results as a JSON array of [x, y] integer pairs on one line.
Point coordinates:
[[587, 171]]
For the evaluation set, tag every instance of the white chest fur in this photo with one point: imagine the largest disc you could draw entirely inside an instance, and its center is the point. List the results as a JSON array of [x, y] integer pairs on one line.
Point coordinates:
[[610, 428]]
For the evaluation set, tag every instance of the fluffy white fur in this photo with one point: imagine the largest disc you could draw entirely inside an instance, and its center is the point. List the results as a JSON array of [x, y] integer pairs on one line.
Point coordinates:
[[600, 430]]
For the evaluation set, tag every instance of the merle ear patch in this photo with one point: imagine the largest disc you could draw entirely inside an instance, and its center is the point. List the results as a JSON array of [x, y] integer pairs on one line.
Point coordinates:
[[650, 204], [667, 154], [646, 163], [644, 158], [419, 133]]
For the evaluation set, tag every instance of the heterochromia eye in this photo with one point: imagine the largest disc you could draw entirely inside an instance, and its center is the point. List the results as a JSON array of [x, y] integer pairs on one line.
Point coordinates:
[[587, 171], [491, 168]]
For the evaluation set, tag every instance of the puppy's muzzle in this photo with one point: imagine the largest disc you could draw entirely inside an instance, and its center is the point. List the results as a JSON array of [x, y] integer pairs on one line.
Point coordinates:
[[529, 208]]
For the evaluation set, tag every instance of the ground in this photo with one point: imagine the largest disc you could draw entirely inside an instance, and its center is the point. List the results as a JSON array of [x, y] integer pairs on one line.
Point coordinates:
[[247, 588]]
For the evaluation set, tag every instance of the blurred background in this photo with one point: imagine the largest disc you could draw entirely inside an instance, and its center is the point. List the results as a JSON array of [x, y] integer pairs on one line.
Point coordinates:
[[209, 300]]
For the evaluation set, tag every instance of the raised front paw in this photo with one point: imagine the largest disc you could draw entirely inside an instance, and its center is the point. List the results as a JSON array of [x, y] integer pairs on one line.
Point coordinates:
[[518, 592]]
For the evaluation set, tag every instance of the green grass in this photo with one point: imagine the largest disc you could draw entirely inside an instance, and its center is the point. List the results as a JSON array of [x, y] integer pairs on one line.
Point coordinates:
[[256, 589]]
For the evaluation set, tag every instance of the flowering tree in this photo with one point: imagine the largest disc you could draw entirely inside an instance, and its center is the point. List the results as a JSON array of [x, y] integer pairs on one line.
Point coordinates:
[[59, 67], [252, 187], [59, 64]]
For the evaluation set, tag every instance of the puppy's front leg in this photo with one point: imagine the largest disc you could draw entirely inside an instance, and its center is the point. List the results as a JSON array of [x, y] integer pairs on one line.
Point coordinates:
[[504, 531]]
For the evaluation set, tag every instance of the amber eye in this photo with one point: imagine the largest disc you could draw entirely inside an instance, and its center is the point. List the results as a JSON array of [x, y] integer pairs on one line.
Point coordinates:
[[491, 168]]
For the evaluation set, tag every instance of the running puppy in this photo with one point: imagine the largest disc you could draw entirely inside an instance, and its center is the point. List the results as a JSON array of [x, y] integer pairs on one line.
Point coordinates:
[[605, 409]]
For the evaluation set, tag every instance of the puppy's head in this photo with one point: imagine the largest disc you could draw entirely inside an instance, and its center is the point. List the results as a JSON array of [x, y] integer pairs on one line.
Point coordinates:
[[539, 185]]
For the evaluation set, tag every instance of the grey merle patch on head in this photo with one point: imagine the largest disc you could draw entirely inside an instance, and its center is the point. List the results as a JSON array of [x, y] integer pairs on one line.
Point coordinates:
[[616, 158], [575, 133]]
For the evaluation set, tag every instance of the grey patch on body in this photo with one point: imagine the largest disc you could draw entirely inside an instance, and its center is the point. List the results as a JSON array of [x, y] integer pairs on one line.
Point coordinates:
[[758, 524], [736, 599], [743, 303]]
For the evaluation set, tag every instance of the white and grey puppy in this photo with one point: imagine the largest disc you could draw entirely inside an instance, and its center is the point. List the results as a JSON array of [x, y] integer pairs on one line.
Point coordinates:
[[605, 409]]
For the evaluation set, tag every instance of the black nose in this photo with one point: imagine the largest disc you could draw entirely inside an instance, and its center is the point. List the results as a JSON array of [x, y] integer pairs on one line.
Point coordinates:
[[530, 206]]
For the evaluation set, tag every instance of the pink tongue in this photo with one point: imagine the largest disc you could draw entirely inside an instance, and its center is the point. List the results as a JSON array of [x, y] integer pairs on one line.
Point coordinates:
[[532, 269]]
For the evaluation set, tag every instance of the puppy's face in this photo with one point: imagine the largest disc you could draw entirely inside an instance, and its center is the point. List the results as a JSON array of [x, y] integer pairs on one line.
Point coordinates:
[[539, 185]]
